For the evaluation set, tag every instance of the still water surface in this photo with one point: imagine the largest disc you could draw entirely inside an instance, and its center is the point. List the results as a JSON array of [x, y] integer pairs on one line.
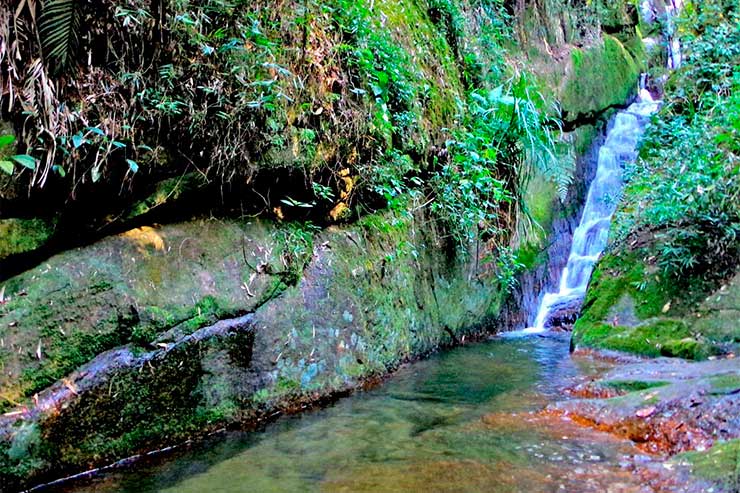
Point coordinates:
[[463, 420]]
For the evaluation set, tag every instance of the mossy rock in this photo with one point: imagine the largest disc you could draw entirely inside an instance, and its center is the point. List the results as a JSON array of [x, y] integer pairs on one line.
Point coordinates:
[[128, 289], [23, 235], [129, 324], [585, 94], [631, 307], [720, 464]]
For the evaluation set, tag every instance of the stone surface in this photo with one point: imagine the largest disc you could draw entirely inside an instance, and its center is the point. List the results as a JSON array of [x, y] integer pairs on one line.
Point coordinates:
[[116, 348], [664, 405]]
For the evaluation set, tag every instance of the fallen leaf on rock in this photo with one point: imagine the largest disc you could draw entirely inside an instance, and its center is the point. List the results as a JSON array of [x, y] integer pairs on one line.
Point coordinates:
[[645, 412]]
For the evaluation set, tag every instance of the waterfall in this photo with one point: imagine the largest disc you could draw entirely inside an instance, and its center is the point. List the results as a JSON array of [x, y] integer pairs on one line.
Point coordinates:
[[674, 45], [590, 238], [669, 10], [591, 235]]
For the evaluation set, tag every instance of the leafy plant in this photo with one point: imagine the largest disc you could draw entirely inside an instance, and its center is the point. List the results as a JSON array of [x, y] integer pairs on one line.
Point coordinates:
[[7, 163], [506, 138], [59, 27], [686, 185]]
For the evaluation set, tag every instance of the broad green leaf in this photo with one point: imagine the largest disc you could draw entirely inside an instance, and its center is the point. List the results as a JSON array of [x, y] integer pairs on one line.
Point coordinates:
[[25, 160], [78, 140], [95, 174], [7, 167], [6, 140], [59, 170], [132, 165], [96, 130]]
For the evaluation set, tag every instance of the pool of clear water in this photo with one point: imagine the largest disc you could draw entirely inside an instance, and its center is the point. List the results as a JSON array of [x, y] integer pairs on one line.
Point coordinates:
[[463, 420]]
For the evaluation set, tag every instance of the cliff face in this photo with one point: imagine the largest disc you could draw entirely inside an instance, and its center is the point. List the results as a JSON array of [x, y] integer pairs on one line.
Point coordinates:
[[129, 327], [160, 333]]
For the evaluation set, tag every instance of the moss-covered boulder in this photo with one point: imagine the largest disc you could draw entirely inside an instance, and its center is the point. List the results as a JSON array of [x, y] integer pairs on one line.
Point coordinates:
[[632, 306], [584, 93], [160, 333], [719, 465]]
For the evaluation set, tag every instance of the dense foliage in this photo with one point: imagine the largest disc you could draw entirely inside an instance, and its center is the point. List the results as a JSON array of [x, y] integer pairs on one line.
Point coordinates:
[[305, 109], [686, 186]]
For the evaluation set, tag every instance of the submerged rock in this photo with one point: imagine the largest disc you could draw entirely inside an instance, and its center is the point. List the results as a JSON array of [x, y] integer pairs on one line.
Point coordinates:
[[664, 405], [563, 315]]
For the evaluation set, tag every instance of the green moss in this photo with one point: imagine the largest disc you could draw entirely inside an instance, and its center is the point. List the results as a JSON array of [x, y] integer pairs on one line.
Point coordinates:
[[530, 256], [633, 385], [584, 138], [585, 94], [660, 338], [720, 464], [630, 307], [167, 191], [23, 235], [66, 353], [723, 384], [636, 49]]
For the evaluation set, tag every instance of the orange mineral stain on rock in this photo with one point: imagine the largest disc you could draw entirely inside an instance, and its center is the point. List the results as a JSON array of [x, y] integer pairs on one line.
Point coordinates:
[[144, 237]]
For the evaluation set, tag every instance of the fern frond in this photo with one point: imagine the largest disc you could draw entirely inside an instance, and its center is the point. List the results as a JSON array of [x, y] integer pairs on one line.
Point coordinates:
[[59, 27]]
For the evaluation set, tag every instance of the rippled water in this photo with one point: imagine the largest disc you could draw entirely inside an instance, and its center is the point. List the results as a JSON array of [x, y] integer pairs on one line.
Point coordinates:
[[464, 420]]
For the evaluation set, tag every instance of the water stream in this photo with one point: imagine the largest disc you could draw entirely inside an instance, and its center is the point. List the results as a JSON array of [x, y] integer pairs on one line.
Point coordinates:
[[590, 238], [464, 420]]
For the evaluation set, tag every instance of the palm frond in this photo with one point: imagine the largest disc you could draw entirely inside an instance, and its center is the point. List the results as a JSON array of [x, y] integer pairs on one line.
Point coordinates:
[[58, 28]]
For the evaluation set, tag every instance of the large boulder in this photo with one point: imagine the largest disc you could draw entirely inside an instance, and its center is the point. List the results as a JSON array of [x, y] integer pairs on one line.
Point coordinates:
[[161, 333]]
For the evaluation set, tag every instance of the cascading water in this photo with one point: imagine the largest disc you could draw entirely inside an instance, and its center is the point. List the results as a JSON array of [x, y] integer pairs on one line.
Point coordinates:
[[667, 10], [674, 45], [590, 237]]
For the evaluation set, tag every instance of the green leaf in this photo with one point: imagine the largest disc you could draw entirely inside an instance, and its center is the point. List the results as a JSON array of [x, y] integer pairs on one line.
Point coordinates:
[[59, 27], [96, 130], [7, 167], [118, 144], [6, 140], [132, 165], [59, 170], [25, 160], [78, 140]]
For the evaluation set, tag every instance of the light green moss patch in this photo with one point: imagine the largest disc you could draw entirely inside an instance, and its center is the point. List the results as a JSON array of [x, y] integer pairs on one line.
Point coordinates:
[[630, 307], [23, 235], [618, 71], [720, 464], [660, 338], [723, 384], [633, 385]]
